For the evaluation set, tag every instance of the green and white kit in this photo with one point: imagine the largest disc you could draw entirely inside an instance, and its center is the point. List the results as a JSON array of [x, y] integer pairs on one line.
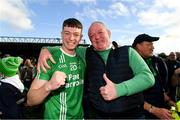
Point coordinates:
[[65, 102]]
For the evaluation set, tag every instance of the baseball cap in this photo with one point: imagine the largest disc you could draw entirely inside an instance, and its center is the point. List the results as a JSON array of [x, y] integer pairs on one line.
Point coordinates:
[[144, 37]]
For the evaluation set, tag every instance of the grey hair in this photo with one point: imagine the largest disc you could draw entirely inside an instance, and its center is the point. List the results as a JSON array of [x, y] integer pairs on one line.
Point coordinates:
[[96, 22]]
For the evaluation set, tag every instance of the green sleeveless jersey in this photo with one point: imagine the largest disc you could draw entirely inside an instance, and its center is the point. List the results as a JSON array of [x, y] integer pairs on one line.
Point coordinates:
[[65, 102]]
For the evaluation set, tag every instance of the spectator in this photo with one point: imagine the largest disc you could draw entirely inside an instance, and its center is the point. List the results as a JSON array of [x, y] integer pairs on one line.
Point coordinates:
[[178, 56], [27, 73], [11, 89], [155, 96], [172, 65], [6, 55], [114, 84], [163, 56]]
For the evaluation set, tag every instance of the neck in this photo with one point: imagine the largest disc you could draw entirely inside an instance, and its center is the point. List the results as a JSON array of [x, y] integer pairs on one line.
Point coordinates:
[[70, 52]]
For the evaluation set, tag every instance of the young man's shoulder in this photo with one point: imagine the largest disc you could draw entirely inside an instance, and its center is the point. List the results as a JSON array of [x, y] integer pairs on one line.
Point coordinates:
[[81, 48]]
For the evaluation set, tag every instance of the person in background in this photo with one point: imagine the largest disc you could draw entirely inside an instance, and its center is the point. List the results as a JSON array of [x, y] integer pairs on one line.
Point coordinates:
[[27, 74], [11, 89], [155, 97], [175, 83], [178, 56], [163, 56], [115, 78], [61, 88], [6, 55], [173, 65]]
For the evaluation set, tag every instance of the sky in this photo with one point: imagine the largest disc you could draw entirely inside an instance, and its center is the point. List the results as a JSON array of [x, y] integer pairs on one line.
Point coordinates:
[[124, 18]]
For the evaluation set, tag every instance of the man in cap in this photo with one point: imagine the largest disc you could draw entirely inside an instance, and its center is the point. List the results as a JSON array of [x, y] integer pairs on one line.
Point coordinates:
[[11, 88], [155, 97]]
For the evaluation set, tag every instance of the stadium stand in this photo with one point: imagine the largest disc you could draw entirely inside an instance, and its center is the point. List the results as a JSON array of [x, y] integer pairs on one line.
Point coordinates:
[[28, 46]]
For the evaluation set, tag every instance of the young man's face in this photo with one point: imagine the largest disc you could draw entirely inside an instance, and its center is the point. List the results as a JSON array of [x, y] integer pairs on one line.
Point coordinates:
[[71, 37], [99, 37]]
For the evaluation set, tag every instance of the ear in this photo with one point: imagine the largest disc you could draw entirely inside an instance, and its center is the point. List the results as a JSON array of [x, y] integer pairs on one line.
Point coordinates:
[[109, 33], [138, 47], [61, 34], [80, 38]]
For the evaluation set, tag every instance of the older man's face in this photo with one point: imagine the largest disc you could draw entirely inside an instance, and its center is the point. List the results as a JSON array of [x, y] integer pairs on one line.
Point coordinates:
[[99, 37]]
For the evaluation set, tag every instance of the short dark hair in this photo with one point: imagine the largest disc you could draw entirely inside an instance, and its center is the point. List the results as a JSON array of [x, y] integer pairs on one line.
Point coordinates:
[[72, 22]]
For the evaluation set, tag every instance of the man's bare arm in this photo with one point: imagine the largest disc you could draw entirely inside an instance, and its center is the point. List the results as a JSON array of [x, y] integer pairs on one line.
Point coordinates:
[[40, 89], [37, 92]]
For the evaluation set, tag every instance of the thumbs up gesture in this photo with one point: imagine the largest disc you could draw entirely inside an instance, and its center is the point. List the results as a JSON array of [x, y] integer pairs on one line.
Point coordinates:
[[108, 91]]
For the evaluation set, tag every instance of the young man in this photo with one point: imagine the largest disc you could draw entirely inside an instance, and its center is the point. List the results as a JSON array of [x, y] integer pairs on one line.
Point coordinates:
[[61, 88], [115, 78]]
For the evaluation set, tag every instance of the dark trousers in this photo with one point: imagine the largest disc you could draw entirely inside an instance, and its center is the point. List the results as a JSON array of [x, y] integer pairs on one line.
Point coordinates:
[[92, 113]]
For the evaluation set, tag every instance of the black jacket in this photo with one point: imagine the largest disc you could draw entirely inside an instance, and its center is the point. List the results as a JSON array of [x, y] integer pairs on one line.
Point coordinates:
[[155, 94], [116, 69], [9, 106]]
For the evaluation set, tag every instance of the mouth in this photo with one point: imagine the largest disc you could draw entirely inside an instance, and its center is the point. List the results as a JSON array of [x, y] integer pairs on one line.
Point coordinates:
[[71, 43]]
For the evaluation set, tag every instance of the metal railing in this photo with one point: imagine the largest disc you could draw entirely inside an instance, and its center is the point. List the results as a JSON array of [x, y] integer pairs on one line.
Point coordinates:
[[33, 40]]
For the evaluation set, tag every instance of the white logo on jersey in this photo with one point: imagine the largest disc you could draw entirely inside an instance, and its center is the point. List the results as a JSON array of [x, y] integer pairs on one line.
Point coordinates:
[[62, 66], [73, 77], [74, 84], [73, 67]]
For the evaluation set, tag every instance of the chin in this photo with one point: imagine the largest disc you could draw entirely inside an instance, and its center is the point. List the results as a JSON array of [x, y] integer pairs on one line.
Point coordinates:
[[100, 49]]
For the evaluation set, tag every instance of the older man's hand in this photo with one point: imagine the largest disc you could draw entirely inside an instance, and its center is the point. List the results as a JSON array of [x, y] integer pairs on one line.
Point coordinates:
[[42, 60], [108, 91]]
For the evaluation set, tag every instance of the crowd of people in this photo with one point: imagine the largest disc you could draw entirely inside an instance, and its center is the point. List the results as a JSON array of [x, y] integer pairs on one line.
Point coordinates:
[[16, 75], [102, 81]]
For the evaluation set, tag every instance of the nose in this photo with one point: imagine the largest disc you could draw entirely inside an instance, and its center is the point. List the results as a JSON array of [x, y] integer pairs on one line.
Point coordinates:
[[71, 37], [152, 47], [96, 36]]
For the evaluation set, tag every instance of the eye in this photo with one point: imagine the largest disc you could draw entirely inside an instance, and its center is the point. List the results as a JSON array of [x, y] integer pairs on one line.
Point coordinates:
[[77, 35], [66, 33], [100, 32], [91, 35]]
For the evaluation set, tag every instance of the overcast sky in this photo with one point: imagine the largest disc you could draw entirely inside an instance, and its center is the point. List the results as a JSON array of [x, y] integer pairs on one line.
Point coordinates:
[[125, 18]]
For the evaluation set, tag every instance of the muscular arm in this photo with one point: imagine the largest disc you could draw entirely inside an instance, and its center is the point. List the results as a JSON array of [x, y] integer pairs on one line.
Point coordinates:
[[40, 89], [37, 92], [142, 79]]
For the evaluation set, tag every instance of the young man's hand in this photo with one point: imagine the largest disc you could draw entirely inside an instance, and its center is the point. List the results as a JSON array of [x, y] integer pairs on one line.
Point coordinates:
[[58, 79]]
